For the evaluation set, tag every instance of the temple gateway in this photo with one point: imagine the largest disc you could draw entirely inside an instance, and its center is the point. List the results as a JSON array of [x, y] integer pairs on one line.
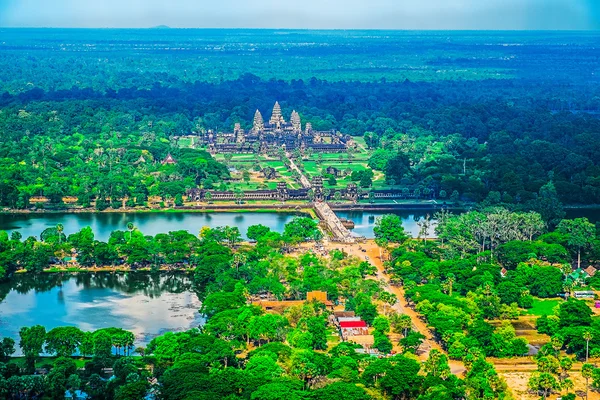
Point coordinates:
[[275, 134]]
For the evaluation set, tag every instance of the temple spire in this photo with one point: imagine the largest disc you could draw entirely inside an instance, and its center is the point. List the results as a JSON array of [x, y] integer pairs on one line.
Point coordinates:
[[295, 120], [258, 123], [276, 117]]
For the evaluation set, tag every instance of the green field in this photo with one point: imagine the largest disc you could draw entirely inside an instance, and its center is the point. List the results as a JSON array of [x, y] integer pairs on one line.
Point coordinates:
[[541, 307], [312, 166], [40, 362]]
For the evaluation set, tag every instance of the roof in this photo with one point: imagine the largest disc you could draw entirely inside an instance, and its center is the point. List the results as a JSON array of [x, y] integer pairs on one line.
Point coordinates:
[[348, 319], [577, 274], [343, 313], [363, 340], [352, 324], [169, 159], [591, 271]]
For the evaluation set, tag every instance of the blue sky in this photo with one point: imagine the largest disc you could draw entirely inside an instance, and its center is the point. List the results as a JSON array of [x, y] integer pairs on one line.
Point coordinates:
[[344, 14]]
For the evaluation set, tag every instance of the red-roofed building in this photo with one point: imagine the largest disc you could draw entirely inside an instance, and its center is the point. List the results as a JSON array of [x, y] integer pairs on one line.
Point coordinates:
[[352, 324], [169, 160], [353, 328]]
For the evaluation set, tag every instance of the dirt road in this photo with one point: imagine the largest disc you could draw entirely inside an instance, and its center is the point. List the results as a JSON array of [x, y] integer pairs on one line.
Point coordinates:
[[516, 371], [372, 252]]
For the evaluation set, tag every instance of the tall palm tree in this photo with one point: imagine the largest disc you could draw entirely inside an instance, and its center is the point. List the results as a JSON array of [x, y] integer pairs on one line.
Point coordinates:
[[450, 282], [587, 336], [59, 230], [130, 228]]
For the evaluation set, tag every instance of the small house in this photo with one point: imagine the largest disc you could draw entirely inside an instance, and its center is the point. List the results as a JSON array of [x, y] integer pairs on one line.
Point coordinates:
[[577, 277], [353, 328], [269, 173], [591, 271], [334, 171], [341, 314], [169, 160]]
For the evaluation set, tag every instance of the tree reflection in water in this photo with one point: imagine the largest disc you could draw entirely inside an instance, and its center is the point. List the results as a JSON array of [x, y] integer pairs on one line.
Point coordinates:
[[149, 284]]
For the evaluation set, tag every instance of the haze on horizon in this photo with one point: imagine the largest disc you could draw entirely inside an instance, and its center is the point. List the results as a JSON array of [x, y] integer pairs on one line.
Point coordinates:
[[306, 14]]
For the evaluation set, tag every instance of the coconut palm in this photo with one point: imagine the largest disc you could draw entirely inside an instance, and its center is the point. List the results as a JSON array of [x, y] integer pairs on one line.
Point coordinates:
[[59, 230], [587, 336], [130, 228]]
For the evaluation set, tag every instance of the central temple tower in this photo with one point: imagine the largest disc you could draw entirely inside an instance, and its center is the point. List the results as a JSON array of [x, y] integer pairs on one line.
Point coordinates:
[[276, 117]]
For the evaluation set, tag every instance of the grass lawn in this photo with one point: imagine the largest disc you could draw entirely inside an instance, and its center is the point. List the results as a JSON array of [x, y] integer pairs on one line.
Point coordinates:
[[41, 361], [185, 142], [541, 307]]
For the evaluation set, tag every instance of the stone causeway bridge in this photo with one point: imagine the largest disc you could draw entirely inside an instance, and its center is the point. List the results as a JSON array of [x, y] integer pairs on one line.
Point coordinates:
[[322, 209]]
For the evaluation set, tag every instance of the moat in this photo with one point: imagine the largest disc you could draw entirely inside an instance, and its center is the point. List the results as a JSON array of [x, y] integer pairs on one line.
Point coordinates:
[[153, 223], [146, 304]]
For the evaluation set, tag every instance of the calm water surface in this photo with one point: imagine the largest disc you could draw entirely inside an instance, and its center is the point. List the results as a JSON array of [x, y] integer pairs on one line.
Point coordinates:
[[153, 223], [364, 221], [147, 305], [149, 223]]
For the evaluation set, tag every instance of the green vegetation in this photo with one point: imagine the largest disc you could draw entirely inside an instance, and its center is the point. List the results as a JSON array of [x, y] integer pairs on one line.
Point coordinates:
[[95, 125], [243, 351], [512, 132], [541, 307], [131, 248]]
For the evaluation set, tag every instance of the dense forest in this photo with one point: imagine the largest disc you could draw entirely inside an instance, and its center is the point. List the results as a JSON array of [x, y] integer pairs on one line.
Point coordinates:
[[487, 270], [505, 122], [499, 138]]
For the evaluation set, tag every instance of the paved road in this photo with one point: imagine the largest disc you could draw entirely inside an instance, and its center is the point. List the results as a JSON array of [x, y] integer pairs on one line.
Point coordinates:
[[303, 179], [339, 231]]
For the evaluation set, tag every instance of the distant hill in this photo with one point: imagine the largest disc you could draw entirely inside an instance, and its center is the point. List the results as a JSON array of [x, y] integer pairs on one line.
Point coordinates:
[[161, 27]]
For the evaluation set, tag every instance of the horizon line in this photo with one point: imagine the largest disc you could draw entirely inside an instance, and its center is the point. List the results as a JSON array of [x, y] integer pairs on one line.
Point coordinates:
[[166, 27]]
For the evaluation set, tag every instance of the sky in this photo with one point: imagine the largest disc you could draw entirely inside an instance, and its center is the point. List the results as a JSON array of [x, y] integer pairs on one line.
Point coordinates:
[[310, 14]]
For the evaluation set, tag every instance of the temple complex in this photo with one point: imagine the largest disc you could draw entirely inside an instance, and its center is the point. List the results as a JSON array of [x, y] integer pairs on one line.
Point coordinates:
[[269, 137]]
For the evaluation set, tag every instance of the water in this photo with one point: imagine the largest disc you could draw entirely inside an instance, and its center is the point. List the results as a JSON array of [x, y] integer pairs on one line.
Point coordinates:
[[364, 221], [148, 223], [147, 305], [153, 223]]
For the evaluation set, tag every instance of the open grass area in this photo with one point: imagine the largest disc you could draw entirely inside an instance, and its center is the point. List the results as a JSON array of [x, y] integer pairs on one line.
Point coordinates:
[[185, 142], [541, 307], [311, 167], [42, 361]]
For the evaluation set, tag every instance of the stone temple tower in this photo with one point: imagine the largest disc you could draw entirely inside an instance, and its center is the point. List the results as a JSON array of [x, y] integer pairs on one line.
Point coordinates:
[[238, 133], [258, 124], [277, 118], [295, 120]]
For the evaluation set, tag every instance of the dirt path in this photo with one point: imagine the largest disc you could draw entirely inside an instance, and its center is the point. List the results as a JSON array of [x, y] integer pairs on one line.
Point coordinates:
[[374, 257], [516, 371]]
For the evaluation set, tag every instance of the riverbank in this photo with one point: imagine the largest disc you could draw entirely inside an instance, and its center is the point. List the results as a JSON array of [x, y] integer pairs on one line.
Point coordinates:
[[110, 269], [190, 207], [276, 206]]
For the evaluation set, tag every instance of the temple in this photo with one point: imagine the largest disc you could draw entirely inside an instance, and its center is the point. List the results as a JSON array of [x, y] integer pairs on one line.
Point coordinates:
[[269, 137]]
